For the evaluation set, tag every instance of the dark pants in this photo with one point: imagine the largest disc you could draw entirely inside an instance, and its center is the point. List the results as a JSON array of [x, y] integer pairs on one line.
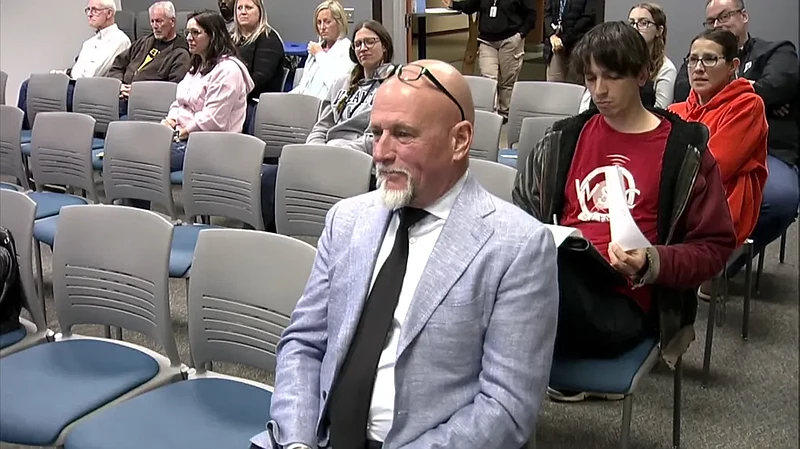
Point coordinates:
[[178, 153], [250, 118], [778, 208], [123, 108], [594, 320], [22, 101], [269, 175]]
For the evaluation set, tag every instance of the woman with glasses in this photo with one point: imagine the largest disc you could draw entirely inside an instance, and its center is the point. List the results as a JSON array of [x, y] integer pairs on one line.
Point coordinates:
[[346, 112], [213, 95], [737, 125], [329, 59], [261, 49], [651, 22]]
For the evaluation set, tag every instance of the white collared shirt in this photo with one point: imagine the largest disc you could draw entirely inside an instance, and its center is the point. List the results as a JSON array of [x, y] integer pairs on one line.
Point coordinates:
[[422, 239], [98, 52]]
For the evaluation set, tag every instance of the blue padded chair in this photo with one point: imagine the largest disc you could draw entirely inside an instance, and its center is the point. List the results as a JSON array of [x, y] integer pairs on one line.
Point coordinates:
[[176, 178], [244, 287], [45, 389], [17, 212], [541, 99], [532, 130], [618, 376], [97, 97], [217, 183], [61, 155], [47, 92], [11, 161]]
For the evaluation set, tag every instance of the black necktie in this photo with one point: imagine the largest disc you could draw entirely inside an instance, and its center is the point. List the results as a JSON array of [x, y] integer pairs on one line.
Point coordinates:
[[348, 409]]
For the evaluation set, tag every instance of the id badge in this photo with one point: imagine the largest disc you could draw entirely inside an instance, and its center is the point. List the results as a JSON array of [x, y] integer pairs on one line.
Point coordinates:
[[493, 11]]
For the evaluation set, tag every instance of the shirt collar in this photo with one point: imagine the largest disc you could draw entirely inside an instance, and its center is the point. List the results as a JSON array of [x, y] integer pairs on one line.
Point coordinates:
[[442, 207], [102, 34]]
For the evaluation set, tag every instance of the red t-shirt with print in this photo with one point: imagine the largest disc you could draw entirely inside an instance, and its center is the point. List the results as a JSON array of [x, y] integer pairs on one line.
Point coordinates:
[[639, 157]]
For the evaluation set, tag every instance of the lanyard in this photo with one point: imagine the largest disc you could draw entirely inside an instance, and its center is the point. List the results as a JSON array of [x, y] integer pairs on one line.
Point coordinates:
[[561, 7]]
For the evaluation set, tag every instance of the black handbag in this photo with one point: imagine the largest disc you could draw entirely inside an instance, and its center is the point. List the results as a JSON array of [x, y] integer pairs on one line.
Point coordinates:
[[12, 297]]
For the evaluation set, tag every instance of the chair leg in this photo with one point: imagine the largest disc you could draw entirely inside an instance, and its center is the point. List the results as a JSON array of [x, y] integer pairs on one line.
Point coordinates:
[[747, 291], [676, 406], [712, 311], [759, 270], [37, 254], [625, 433], [107, 332], [782, 254], [118, 333], [722, 304]]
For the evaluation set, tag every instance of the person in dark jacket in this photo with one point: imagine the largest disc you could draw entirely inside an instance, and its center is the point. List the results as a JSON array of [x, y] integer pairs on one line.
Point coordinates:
[[502, 27], [261, 50], [672, 186], [160, 56], [565, 23], [772, 68]]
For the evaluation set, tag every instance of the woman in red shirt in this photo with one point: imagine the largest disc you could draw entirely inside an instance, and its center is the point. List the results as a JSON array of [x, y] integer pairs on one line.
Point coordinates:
[[734, 115]]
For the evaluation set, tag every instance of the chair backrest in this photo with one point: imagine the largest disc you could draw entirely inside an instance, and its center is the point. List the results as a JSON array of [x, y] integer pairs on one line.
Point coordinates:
[[181, 19], [47, 92], [10, 152], [3, 82], [486, 138], [143, 27], [149, 101], [533, 130], [298, 75], [243, 289], [61, 151], [126, 21], [99, 97], [311, 179], [495, 177], [131, 173], [541, 99], [222, 177], [484, 92], [284, 119], [17, 212], [111, 267]]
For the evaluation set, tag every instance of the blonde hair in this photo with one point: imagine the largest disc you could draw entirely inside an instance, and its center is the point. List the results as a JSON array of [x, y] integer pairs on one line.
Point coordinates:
[[263, 25], [338, 14]]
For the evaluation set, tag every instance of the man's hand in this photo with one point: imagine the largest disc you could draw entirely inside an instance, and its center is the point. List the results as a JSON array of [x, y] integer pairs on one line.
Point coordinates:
[[628, 263], [169, 122], [314, 48], [447, 3], [125, 91], [783, 111], [183, 134], [555, 41]]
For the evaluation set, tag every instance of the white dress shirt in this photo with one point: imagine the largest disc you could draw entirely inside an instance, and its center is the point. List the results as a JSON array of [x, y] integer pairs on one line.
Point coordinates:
[[422, 239], [324, 69], [98, 52]]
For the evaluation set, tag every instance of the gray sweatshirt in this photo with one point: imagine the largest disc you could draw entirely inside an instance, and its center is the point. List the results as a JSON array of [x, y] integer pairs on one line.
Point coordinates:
[[346, 128]]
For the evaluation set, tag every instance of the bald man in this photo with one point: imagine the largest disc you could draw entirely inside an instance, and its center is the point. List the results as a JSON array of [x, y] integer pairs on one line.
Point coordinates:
[[429, 317]]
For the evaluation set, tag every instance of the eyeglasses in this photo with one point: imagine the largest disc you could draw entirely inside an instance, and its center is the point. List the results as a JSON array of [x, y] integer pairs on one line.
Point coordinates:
[[724, 17], [367, 42], [92, 10], [193, 33], [707, 61], [641, 24], [414, 72]]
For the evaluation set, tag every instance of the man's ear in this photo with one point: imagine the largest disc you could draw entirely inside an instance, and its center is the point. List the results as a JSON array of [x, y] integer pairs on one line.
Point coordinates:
[[462, 135]]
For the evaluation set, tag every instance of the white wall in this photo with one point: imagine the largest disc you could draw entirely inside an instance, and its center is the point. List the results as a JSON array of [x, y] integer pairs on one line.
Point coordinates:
[[54, 44]]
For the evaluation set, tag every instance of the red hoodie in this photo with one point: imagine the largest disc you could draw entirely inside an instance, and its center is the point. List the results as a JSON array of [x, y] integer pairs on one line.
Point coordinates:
[[738, 129]]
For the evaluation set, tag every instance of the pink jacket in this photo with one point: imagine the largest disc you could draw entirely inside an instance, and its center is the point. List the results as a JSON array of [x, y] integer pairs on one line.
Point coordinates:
[[216, 101]]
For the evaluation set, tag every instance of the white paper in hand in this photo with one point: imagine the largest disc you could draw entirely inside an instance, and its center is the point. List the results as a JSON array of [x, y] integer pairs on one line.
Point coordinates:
[[624, 231]]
